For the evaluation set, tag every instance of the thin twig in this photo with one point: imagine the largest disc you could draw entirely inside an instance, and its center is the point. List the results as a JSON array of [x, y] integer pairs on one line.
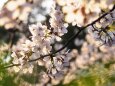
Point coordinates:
[[11, 66], [100, 17]]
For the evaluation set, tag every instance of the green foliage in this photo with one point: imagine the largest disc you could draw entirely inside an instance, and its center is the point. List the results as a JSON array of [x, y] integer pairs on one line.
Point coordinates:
[[97, 75], [6, 78]]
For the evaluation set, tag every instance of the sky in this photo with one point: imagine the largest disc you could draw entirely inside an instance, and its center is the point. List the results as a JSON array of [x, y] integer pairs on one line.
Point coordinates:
[[2, 3]]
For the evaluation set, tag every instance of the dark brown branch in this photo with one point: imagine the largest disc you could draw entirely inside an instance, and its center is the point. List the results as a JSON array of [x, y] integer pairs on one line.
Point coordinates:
[[69, 41], [100, 17], [11, 65]]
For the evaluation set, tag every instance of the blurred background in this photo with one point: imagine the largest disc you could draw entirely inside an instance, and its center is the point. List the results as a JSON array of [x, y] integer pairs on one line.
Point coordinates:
[[90, 64]]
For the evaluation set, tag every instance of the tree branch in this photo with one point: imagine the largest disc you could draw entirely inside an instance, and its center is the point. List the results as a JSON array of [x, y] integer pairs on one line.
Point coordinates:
[[100, 17], [69, 41]]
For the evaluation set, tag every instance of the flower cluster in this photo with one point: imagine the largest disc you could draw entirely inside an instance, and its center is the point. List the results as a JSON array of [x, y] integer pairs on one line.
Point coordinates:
[[104, 30], [58, 27], [38, 49]]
